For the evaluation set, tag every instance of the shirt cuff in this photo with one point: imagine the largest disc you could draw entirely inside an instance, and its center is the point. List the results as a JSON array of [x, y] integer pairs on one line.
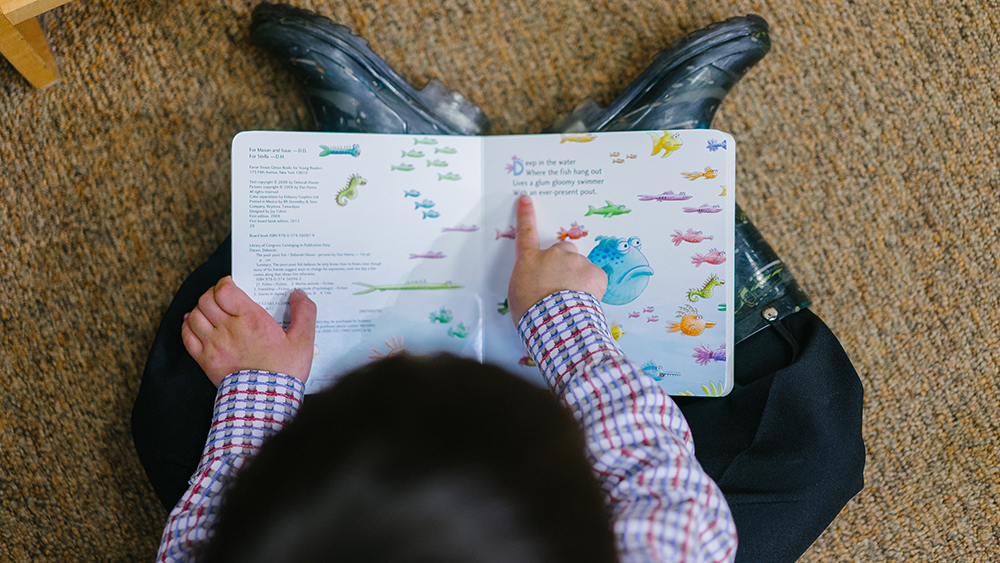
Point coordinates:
[[250, 406], [564, 330]]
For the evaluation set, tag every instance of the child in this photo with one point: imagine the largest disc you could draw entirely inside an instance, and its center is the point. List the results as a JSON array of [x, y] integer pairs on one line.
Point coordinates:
[[372, 473]]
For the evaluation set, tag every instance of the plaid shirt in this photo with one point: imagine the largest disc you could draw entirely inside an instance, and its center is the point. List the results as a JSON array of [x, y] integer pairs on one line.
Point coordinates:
[[664, 506]]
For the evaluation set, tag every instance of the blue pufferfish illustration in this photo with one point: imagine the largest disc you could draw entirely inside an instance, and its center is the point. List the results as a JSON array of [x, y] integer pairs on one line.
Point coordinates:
[[628, 270]]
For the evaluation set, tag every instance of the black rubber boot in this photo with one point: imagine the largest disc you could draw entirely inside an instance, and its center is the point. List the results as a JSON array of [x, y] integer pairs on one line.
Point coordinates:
[[351, 88], [684, 85]]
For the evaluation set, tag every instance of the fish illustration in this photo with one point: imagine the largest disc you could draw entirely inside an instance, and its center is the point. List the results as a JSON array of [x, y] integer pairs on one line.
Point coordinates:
[[706, 289], [443, 316], [425, 141], [413, 153], [714, 256], [449, 176], [353, 150], [617, 331], [690, 236], [705, 208], [430, 213], [503, 308], [460, 229], [350, 191], [668, 195], [575, 231], [411, 193], [668, 143], [459, 331], [509, 233], [439, 163], [708, 173], [692, 324], [653, 370], [413, 285], [703, 354], [526, 361], [445, 150], [425, 203], [609, 210], [627, 268], [631, 156], [633, 315], [586, 138], [647, 309], [617, 161], [714, 145], [615, 155], [652, 319], [428, 255], [404, 167]]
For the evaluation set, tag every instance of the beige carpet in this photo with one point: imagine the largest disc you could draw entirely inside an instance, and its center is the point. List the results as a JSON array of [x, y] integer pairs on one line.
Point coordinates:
[[868, 155]]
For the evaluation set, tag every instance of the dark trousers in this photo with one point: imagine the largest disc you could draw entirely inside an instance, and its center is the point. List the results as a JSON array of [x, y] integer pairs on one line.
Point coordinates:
[[785, 446]]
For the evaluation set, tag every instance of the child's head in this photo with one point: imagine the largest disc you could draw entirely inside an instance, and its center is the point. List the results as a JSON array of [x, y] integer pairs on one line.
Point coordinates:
[[420, 459]]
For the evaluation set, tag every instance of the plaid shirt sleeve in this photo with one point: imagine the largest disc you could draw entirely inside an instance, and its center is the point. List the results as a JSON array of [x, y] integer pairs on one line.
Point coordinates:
[[664, 506], [249, 407]]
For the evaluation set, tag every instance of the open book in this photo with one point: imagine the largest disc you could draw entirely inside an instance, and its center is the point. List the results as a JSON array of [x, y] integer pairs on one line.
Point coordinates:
[[405, 242]]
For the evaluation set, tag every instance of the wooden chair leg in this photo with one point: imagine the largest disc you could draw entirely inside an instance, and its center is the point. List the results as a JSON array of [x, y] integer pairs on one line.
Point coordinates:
[[25, 46]]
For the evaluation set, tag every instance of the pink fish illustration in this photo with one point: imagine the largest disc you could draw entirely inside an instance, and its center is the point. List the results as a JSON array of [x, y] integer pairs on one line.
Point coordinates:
[[575, 231], [633, 315], [653, 319], [647, 310], [705, 208], [428, 255], [703, 354], [460, 229], [714, 256], [509, 233], [668, 195], [690, 236]]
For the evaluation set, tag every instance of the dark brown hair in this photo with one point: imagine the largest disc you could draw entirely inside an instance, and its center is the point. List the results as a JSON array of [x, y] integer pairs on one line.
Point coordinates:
[[420, 459]]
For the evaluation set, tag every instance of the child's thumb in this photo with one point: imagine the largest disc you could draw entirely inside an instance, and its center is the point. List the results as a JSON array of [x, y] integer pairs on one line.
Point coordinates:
[[302, 326]]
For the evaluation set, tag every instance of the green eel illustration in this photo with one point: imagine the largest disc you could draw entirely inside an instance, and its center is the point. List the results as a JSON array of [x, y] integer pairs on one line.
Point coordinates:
[[706, 290], [353, 150], [421, 284], [350, 191]]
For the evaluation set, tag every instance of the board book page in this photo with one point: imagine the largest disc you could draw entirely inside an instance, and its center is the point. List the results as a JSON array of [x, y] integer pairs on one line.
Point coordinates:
[[405, 242]]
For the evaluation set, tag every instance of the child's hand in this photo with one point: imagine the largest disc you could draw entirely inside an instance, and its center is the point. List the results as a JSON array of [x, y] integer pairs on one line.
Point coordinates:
[[540, 273], [228, 332]]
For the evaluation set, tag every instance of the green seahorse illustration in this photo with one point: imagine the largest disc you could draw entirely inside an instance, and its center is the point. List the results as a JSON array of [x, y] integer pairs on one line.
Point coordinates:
[[350, 191], [706, 290], [353, 150], [420, 284]]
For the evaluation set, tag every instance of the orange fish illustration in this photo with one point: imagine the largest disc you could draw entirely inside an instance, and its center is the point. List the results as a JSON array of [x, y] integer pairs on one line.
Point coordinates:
[[615, 155], [692, 324], [708, 173], [586, 138], [617, 161]]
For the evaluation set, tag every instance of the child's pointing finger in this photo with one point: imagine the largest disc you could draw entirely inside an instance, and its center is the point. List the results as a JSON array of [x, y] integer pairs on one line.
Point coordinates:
[[527, 231]]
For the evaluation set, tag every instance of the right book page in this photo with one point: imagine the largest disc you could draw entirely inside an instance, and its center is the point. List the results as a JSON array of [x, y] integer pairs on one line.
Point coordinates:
[[656, 211]]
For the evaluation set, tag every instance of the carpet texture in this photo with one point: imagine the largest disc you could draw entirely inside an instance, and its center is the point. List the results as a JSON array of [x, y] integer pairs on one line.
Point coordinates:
[[868, 156]]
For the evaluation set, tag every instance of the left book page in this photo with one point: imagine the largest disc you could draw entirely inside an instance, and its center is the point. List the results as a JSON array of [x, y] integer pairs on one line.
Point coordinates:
[[384, 232]]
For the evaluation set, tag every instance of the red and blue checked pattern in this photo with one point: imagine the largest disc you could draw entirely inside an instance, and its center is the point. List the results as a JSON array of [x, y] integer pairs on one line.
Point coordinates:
[[249, 407], [664, 506]]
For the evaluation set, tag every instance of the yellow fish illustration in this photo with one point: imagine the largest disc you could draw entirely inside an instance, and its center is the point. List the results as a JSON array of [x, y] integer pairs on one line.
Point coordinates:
[[617, 331], [578, 138], [668, 143]]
